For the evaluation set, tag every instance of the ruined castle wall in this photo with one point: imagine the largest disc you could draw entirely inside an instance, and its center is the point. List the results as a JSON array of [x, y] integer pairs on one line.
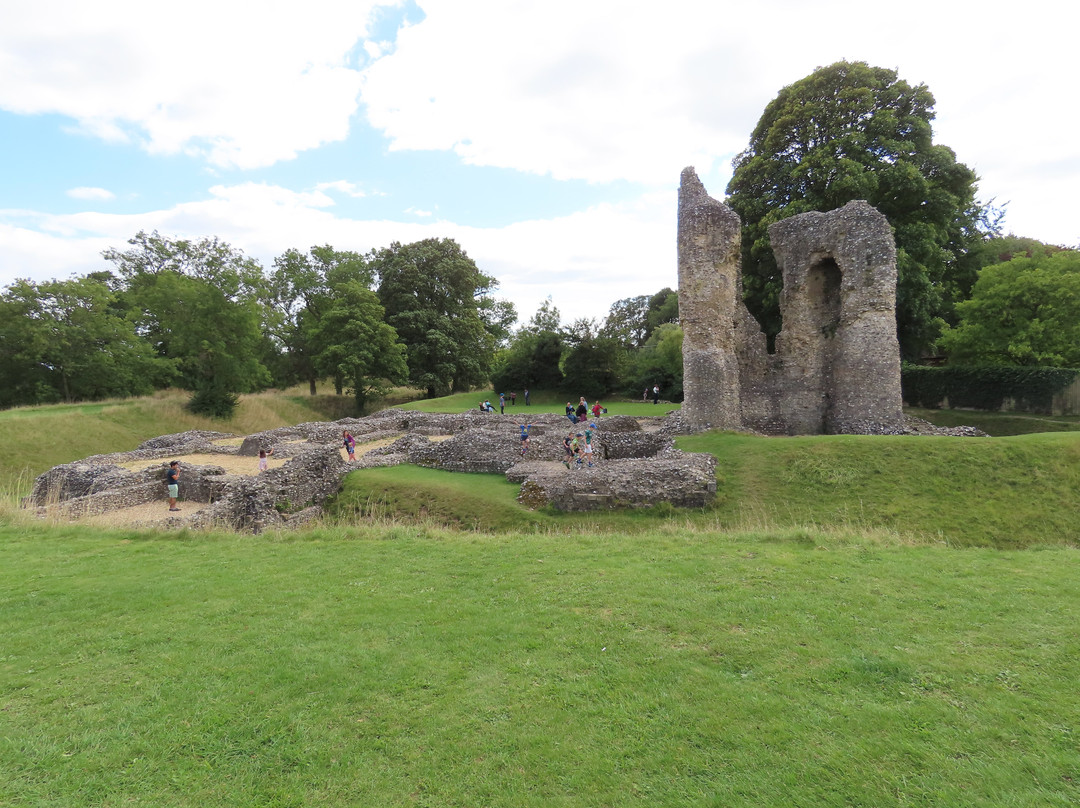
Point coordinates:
[[710, 288], [838, 348]]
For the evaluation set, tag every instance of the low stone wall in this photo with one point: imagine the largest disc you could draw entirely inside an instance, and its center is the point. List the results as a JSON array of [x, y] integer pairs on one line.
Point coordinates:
[[682, 479], [633, 467]]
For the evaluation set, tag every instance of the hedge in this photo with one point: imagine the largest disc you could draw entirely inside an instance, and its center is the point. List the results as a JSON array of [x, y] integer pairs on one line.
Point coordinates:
[[1030, 389]]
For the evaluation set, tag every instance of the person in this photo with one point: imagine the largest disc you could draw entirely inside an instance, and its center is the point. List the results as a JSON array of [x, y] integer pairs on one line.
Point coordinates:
[[582, 411], [524, 437], [655, 394], [568, 449], [645, 397], [596, 411], [350, 444], [263, 459], [513, 398], [588, 444], [502, 403], [526, 396], [570, 413], [486, 406], [172, 483], [576, 448]]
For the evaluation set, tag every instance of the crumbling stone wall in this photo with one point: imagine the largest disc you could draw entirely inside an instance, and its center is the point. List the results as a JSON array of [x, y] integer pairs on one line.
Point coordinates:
[[836, 368]]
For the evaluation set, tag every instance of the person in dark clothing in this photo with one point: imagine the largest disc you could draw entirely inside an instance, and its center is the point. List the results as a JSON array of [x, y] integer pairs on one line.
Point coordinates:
[[172, 483]]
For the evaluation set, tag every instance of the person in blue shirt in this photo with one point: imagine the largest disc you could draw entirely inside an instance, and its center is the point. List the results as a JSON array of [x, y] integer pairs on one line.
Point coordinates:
[[172, 482]]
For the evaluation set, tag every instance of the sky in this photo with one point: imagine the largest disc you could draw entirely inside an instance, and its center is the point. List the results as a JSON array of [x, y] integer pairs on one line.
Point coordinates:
[[546, 138]]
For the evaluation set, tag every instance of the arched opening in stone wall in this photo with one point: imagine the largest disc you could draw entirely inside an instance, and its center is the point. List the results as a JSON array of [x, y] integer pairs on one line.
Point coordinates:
[[823, 299]]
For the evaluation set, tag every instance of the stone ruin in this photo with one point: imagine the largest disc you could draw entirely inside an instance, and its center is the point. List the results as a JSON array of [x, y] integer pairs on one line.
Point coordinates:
[[637, 465], [836, 367]]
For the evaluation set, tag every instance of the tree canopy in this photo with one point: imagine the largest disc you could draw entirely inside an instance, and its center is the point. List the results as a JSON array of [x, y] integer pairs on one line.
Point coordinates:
[[851, 131], [1022, 312], [434, 296]]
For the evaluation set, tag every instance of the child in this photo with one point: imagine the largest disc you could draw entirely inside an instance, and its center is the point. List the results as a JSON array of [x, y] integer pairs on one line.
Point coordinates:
[[350, 444], [588, 444], [524, 437], [568, 449], [263, 455], [596, 410], [575, 444]]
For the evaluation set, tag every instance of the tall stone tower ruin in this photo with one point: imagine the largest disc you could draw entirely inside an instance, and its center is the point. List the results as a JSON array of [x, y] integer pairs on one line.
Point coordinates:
[[836, 368]]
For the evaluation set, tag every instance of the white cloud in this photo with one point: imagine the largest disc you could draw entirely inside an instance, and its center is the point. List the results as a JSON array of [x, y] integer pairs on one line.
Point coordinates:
[[240, 85], [629, 90], [343, 187], [91, 194]]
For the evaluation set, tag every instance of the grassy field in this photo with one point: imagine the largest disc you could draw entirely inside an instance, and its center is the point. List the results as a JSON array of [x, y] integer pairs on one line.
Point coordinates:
[[854, 623], [407, 666]]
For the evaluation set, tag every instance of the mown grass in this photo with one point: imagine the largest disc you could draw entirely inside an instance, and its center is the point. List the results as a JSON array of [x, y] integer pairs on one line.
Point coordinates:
[[999, 492], [1000, 424], [410, 666], [541, 401]]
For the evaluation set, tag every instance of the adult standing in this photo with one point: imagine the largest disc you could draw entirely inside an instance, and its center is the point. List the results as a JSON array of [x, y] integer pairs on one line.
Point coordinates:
[[513, 398], [655, 394], [172, 483], [526, 396]]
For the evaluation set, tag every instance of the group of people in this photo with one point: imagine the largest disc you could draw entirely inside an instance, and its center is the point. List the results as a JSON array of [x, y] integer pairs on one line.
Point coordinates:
[[655, 393], [578, 448], [581, 411], [486, 406]]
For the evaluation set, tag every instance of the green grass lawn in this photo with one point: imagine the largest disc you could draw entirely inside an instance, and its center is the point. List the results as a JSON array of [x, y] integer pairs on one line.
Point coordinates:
[[543, 401], [406, 666]]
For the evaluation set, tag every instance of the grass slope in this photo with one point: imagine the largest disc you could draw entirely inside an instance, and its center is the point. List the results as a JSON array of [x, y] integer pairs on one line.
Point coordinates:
[[407, 667]]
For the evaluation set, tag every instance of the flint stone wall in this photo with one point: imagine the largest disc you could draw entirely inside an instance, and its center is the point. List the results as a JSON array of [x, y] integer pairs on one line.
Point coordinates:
[[682, 479], [294, 492], [836, 368]]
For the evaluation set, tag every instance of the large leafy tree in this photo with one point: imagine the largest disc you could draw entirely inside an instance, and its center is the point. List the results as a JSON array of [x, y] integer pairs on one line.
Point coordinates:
[[68, 340], [632, 320], [534, 356], [299, 291], [1022, 312], [435, 299], [852, 131], [198, 303], [594, 363], [349, 340]]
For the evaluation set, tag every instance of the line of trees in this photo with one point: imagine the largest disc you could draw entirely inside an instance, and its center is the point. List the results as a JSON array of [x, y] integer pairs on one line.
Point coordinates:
[[201, 315]]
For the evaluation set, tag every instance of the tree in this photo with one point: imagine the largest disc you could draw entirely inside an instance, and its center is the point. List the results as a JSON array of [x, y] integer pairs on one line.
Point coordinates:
[[594, 363], [851, 131], [349, 340], [1023, 312], [660, 363], [534, 356], [298, 292], [68, 340], [433, 294], [197, 302], [632, 320]]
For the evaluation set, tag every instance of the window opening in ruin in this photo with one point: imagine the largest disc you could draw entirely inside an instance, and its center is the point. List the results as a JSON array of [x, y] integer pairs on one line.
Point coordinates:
[[823, 287]]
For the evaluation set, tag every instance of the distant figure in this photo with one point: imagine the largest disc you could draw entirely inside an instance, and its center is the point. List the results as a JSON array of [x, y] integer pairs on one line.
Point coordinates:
[[568, 449], [524, 437], [597, 411], [513, 398], [172, 483], [263, 459], [570, 413], [655, 394], [526, 396], [645, 397], [502, 403], [582, 411], [486, 406], [350, 444]]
